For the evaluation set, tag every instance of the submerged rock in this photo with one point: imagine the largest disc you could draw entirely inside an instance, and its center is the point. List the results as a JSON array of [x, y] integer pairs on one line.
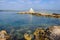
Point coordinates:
[[50, 33]]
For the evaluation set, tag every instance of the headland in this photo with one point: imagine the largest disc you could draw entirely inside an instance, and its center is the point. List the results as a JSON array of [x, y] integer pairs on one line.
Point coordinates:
[[32, 12]]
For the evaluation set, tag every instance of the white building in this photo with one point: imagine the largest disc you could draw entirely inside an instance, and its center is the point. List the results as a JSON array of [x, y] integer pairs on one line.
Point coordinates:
[[31, 10]]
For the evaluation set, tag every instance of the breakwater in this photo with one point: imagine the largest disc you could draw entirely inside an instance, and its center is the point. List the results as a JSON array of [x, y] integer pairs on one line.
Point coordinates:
[[55, 15]]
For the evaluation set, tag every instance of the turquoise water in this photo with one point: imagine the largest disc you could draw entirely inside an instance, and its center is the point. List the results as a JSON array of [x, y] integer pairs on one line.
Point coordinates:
[[16, 20]]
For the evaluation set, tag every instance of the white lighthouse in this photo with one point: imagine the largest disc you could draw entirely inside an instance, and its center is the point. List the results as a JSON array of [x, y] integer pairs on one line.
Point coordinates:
[[31, 10]]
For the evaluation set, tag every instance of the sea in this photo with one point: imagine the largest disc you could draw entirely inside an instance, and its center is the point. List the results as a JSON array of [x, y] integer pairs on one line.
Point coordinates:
[[12, 20]]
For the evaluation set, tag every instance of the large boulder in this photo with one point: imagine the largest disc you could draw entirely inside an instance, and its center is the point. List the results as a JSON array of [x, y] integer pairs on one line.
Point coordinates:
[[4, 35], [39, 34], [53, 32]]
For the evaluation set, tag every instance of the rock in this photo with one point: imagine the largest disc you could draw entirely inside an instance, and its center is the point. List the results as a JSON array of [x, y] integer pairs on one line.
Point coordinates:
[[53, 32], [4, 35], [28, 36], [39, 34]]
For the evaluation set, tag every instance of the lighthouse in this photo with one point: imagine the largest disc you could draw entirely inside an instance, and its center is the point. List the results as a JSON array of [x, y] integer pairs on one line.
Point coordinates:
[[31, 10]]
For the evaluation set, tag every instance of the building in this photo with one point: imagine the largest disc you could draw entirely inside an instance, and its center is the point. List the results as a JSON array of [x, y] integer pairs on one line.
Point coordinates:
[[30, 11]]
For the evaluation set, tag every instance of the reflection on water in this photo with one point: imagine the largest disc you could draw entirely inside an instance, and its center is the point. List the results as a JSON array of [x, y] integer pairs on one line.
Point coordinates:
[[31, 19]]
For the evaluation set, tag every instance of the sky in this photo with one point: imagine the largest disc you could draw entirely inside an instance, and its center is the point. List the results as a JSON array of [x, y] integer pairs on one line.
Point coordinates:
[[27, 4]]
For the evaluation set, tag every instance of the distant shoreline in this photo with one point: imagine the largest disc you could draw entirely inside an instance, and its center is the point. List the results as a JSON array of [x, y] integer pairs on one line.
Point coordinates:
[[8, 10], [55, 15]]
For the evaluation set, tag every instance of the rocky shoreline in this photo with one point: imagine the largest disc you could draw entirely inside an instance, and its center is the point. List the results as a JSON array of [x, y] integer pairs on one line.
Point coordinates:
[[50, 33], [55, 15]]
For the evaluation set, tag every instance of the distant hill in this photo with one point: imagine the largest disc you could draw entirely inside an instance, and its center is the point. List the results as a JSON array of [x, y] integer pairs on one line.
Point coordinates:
[[8, 10]]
